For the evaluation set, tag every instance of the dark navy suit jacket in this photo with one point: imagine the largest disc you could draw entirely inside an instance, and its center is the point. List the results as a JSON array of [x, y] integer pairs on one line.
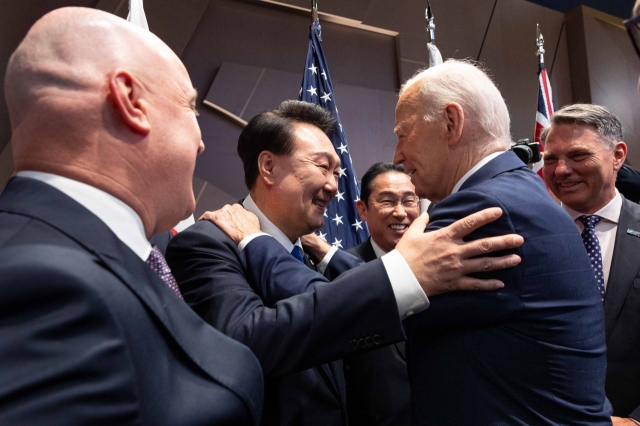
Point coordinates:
[[90, 335], [378, 391], [622, 316], [531, 353], [254, 297]]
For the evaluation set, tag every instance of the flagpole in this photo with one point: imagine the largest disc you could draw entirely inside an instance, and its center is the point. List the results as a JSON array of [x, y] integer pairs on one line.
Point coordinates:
[[314, 10], [540, 44], [431, 26]]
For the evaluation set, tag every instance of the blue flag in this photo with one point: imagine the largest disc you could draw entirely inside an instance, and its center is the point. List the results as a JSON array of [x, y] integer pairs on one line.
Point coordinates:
[[342, 225]]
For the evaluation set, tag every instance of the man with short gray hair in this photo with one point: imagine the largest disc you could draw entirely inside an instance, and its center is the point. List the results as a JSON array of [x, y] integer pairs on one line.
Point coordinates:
[[532, 352], [583, 153]]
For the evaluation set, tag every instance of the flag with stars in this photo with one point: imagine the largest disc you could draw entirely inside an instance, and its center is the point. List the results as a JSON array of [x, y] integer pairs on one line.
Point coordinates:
[[342, 225]]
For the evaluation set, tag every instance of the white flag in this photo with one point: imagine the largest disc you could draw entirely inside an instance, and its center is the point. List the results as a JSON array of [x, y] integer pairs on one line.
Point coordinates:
[[136, 14]]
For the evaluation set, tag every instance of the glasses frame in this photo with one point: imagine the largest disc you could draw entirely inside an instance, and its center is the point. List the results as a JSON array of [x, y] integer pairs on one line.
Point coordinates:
[[633, 25]]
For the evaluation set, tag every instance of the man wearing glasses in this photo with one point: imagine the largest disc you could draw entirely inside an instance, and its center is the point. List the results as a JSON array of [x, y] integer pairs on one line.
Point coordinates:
[[378, 390]]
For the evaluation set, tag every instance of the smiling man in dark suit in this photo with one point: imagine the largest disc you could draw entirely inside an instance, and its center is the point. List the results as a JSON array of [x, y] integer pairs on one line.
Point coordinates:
[[583, 153], [252, 283], [378, 389], [94, 331]]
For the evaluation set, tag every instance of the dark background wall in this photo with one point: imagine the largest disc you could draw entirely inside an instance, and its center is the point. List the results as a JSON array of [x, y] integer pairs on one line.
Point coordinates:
[[247, 55]]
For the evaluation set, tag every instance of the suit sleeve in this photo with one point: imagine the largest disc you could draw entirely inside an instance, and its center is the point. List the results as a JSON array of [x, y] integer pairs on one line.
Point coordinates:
[[293, 333], [478, 307], [341, 262], [63, 358]]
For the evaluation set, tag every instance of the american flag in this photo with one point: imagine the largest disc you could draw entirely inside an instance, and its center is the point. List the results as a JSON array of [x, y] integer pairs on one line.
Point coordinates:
[[342, 225], [545, 110]]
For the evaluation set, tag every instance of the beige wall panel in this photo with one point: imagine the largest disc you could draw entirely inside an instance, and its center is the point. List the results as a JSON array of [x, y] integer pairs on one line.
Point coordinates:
[[560, 72], [509, 54], [614, 68]]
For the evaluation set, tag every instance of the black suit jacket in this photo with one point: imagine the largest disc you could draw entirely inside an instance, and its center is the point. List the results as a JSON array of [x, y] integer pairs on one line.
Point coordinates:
[[622, 317], [90, 335], [288, 331], [378, 391]]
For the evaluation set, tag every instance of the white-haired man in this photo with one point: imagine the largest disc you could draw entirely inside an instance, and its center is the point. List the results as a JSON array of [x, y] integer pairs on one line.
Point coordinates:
[[583, 153], [532, 352]]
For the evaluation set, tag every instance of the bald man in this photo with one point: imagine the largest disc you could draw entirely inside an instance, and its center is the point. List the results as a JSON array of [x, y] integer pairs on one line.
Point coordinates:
[[94, 330]]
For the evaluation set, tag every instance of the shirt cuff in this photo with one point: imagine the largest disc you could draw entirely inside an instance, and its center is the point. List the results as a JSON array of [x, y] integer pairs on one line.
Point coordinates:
[[322, 266], [248, 239], [634, 420], [410, 297]]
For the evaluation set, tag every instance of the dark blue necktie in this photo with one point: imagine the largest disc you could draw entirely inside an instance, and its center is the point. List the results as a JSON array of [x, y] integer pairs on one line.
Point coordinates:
[[592, 245], [297, 253]]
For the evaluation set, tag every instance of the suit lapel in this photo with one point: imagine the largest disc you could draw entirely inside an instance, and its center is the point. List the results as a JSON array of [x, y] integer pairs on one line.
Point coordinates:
[[366, 251], [625, 263], [198, 341]]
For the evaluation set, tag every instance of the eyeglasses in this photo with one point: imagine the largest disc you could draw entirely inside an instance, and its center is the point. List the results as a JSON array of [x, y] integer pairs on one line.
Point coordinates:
[[390, 204], [633, 28]]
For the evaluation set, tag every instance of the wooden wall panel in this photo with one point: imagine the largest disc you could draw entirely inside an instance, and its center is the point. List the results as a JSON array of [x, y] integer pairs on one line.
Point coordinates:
[[509, 55]]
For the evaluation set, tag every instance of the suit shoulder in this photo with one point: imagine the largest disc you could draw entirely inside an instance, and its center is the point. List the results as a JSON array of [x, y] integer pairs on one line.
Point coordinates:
[[58, 330], [201, 236], [53, 277]]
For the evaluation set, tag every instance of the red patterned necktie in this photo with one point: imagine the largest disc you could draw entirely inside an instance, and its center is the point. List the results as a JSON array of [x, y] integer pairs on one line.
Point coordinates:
[[157, 262]]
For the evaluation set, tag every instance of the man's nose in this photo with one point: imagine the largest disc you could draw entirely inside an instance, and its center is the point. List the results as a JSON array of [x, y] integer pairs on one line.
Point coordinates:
[[398, 156], [331, 185], [201, 148], [400, 211], [563, 168]]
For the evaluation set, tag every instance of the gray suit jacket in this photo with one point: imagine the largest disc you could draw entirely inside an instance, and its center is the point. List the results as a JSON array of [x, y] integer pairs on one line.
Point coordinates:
[[622, 316]]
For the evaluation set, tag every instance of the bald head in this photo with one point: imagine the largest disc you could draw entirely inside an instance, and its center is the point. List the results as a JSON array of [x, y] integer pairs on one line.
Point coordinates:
[[97, 99], [636, 8]]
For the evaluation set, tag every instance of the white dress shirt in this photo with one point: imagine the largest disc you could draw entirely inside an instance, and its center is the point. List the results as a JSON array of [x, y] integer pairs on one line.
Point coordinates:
[[377, 249], [409, 295], [606, 229], [118, 216]]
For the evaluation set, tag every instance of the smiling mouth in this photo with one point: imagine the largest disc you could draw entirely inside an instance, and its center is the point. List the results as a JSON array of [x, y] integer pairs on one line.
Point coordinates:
[[320, 203], [567, 184], [398, 227], [410, 172]]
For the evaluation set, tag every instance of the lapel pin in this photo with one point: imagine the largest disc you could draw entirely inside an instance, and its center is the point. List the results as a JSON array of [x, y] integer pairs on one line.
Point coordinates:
[[634, 233]]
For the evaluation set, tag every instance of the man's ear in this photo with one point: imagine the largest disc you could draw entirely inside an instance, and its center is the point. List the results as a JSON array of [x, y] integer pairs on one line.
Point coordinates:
[[454, 116], [619, 154], [126, 93], [267, 167], [362, 209]]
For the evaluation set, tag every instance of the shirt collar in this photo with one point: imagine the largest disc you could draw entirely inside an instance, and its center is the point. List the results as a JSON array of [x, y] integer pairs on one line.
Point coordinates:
[[377, 250], [121, 219], [610, 212], [268, 227], [474, 169]]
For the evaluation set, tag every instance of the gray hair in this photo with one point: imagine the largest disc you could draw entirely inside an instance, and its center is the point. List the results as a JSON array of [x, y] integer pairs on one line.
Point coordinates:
[[607, 125], [469, 86]]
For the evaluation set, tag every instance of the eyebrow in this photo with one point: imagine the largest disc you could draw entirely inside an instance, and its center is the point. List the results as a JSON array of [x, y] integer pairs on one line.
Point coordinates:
[[393, 194]]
